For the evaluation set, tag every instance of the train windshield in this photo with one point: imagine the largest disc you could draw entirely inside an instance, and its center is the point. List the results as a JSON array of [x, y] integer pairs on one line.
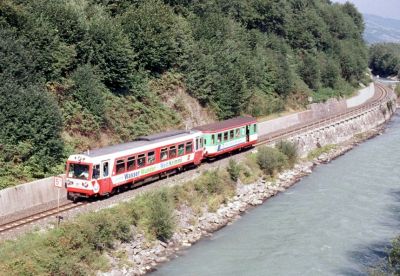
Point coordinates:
[[79, 171]]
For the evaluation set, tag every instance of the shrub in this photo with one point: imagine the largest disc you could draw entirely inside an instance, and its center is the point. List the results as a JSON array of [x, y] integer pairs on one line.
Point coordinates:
[[233, 170], [290, 150], [154, 213], [271, 160]]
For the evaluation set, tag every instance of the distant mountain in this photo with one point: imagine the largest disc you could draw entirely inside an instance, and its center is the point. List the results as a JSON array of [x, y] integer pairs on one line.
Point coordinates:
[[381, 29]]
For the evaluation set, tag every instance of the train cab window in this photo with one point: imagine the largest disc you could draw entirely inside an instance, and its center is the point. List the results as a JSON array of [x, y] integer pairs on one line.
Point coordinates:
[[219, 138], [213, 139], [141, 160], [189, 147], [172, 152], [164, 154], [181, 149], [255, 127], [237, 132], [151, 157], [131, 163], [120, 167], [96, 171], [231, 134], [225, 136]]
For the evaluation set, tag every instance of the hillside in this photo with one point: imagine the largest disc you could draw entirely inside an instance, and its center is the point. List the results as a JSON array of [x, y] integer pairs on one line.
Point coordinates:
[[78, 74], [379, 29]]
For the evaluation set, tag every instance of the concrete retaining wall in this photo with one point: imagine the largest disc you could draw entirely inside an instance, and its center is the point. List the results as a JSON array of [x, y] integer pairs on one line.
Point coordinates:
[[29, 195], [363, 96], [317, 111]]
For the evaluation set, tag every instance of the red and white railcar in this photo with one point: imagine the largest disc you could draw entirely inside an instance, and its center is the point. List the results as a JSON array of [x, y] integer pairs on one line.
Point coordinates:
[[104, 170]]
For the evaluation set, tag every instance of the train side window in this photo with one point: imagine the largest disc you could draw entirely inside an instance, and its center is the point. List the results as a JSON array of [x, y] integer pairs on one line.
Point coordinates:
[[151, 157], [225, 136], [213, 139], [219, 137], [189, 147], [131, 163], [164, 154], [237, 132], [96, 171], [141, 160], [120, 166], [255, 128], [201, 142], [181, 149], [231, 134], [105, 168], [197, 144], [172, 152]]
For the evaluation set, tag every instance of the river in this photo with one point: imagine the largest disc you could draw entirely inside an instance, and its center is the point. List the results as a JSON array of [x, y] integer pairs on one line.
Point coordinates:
[[337, 221]]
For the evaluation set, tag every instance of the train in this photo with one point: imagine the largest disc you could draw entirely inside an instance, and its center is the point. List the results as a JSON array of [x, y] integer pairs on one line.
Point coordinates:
[[105, 171]]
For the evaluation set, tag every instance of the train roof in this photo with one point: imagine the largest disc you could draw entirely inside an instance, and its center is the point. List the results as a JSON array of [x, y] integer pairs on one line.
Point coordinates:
[[227, 124], [139, 142]]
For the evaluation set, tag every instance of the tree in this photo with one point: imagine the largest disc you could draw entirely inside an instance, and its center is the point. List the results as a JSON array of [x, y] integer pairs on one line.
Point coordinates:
[[159, 37], [310, 72], [108, 48], [30, 116], [88, 90]]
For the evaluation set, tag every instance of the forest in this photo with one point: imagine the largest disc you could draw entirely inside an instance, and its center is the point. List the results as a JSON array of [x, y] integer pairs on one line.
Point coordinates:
[[384, 59], [77, 74]]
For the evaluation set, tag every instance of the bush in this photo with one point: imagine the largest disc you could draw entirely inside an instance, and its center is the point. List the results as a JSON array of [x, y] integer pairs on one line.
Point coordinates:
[[394, 256], [271, 160], [233, 170], [154, 212], [290, 150]]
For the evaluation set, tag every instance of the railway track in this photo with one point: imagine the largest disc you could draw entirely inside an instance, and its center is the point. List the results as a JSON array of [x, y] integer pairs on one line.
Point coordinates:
[[375, 102], [39, 216]]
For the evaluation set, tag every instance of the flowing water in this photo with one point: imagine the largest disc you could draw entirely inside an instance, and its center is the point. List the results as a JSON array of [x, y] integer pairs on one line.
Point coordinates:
[[337, 221]]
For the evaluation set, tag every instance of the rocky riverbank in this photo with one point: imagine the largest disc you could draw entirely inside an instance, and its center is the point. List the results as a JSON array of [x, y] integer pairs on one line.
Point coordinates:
[[141, 256]]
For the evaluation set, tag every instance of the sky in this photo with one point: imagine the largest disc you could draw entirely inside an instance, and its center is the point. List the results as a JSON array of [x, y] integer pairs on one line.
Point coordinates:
[[384, 8]]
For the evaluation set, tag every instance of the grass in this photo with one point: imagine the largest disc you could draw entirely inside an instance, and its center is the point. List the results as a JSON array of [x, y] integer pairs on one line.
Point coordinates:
[[318, 151]]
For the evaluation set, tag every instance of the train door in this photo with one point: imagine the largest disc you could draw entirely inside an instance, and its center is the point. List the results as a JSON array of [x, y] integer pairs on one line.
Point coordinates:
[[105, 182], [198, 150], [247, 133]]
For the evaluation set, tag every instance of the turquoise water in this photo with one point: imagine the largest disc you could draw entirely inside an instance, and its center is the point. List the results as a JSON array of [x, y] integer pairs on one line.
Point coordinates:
[[337, 221]]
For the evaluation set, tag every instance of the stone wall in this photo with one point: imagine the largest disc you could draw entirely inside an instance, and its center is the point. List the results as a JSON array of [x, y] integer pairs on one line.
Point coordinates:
[[344, 129]]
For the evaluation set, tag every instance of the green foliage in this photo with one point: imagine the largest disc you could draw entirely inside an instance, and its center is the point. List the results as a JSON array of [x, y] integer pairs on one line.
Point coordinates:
[[154, 213], [234, 170], [88, 90], [384, 59], [159, 37], [271, 160], [30, 117], [397, 90], [73, 249], [290, 150], [394, 257], [108, 48]]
